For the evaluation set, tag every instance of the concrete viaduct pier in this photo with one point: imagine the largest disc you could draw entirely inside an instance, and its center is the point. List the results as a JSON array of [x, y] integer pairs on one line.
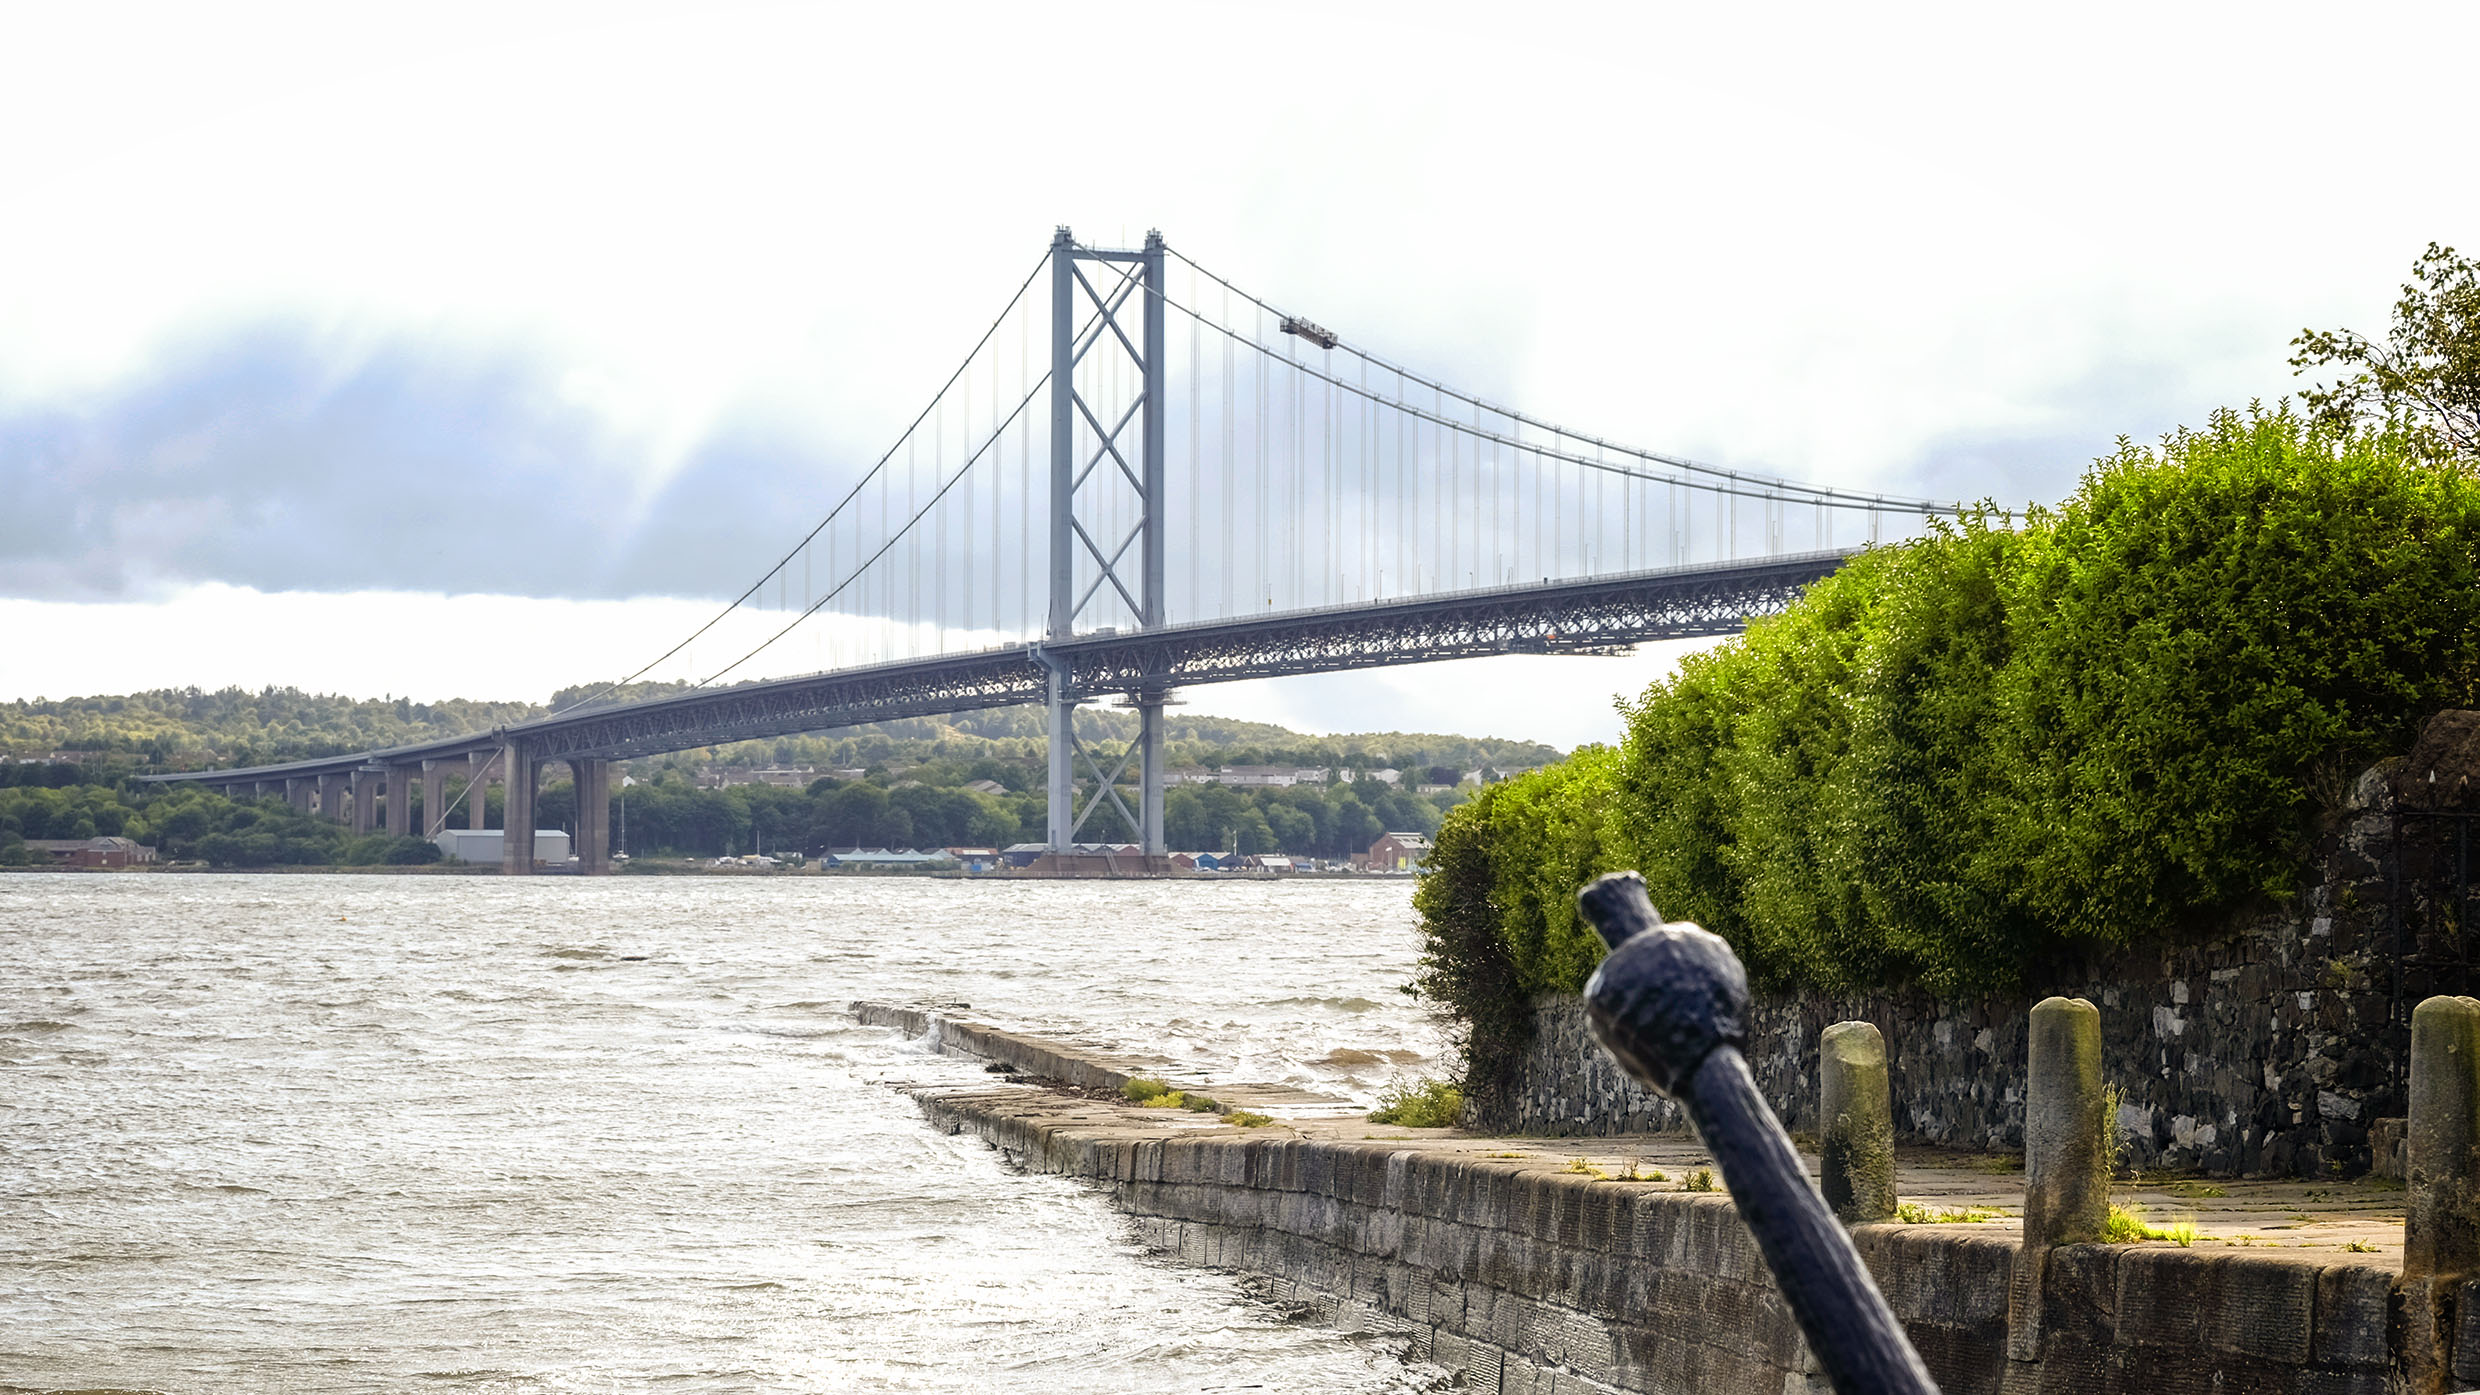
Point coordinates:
[[373, 792]]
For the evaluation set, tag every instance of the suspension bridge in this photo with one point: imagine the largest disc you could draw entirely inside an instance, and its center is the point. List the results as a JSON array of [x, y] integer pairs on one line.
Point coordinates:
[[1181, 485]]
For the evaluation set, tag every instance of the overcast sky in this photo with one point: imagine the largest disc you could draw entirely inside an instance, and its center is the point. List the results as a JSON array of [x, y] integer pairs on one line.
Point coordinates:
[[465, 350]]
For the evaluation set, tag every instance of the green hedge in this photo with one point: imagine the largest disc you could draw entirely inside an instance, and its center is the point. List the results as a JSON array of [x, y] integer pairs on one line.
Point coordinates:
[[1964, 755]]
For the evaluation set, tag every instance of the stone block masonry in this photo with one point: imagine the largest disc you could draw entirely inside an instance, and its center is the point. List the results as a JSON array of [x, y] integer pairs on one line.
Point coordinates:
[[1501, 1263]]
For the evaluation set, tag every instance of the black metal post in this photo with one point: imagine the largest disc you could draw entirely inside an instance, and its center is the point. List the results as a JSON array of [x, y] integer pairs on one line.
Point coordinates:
[[1670, 1004]]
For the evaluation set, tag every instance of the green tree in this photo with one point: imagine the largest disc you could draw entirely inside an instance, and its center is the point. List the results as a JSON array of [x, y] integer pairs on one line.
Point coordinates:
[[2425, 374]]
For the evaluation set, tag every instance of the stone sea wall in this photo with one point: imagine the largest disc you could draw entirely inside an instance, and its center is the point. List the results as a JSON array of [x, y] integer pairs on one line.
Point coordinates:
[[1549, 1283], [2270, 1050]]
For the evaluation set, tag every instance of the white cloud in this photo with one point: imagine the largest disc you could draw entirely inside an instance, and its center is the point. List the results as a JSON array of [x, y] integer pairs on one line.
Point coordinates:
[[1956, 248]]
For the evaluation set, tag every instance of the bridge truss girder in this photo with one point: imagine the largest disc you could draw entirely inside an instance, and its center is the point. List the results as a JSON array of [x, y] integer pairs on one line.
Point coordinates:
[[1575, 617]]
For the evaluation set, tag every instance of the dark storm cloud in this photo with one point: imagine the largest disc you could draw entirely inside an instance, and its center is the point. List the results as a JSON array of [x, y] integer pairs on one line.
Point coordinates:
[[268, 460]]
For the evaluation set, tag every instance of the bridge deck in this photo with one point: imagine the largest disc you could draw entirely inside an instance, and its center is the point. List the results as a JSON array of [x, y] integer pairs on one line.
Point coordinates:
[[1552, 617]]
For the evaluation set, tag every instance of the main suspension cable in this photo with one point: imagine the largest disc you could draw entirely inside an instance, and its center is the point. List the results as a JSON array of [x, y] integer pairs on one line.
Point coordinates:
[[1731, 482], [849, 496], [1773, 487]]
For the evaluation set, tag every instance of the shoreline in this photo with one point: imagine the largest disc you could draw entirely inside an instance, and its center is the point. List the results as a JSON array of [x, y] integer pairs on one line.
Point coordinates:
[[1530, 1268]]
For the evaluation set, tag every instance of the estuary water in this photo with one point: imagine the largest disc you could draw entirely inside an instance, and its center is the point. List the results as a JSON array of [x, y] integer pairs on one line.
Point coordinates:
[[339, 1133]]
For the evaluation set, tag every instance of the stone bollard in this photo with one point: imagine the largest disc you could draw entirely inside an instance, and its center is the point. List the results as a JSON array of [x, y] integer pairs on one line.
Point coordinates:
[[1856, 1110], [2441, 1157], [2066, 1161], [2066, 1157], [2441, 1227]]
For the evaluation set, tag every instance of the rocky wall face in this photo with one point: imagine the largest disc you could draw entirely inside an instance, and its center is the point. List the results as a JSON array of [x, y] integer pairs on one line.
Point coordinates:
[[2270, 1049]]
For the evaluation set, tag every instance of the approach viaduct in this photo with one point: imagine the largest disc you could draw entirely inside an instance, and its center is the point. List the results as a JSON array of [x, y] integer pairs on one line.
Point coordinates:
[[372, 790]]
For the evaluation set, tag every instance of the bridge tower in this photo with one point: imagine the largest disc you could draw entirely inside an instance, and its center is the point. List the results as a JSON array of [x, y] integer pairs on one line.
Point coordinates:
[[1082, 493]]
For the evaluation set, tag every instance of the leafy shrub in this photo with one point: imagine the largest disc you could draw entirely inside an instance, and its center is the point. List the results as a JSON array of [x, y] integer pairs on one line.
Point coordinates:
[[1424, 1104], [1143, 1088], [1962, 758]]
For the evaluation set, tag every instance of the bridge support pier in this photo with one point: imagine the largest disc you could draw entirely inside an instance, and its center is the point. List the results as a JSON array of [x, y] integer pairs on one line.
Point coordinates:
[[478, 789], [1150, 772], [1063, 762], [332, 791], [434, 797], [400, 801], [366, 798], [297, 792], [593, 841], [520, 773]]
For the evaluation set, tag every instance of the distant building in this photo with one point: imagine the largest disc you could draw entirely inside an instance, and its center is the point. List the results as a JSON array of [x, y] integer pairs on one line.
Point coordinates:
[[975, 859], [990, 787], [1022, 854], [483, 844], [1267, 862], [1274, 776], [720, 777], [1398, 852], [887, 859], [92, 852], [1388, 776]]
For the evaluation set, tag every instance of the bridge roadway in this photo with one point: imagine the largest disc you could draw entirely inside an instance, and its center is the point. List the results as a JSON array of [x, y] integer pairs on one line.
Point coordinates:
[[371, 789]]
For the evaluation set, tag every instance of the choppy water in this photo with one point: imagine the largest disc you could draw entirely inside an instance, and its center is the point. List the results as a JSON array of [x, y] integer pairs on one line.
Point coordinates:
[[385, 1133]]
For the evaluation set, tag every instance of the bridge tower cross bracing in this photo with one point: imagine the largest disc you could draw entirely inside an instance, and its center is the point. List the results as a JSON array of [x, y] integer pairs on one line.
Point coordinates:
[[1070, 536]]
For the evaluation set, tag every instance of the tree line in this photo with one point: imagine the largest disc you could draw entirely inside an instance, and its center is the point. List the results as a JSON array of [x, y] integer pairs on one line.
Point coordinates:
[[925, 806]]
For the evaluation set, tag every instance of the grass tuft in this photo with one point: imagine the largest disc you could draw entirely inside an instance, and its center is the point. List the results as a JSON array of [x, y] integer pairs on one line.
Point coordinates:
[[1144, 1089], [2126, 1225], [1701, 1180], [1913, 1213], [1420, 1104]]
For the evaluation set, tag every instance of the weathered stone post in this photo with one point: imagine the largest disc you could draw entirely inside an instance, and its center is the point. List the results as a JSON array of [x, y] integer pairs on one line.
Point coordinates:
[[1856, 1112], [2066, 1163], [2441, 1228], [2066, 1160], [2441, 1156]]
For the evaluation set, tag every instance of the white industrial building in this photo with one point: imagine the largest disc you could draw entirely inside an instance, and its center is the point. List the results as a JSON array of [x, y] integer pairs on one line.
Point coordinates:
[[483, 844]]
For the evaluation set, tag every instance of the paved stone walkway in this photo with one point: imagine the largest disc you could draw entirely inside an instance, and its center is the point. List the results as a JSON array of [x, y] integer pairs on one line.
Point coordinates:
[[2359, 1220]]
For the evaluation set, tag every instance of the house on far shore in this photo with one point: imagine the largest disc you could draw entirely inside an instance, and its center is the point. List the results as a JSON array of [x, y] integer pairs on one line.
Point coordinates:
[[1398, 852], [886, 859], [92, 852]]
